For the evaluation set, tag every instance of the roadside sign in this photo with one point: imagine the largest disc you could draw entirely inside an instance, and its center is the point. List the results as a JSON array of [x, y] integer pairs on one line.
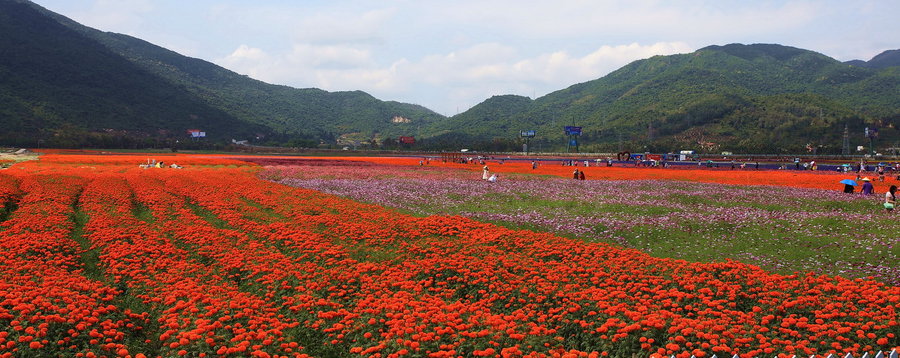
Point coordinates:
[[572, 130]]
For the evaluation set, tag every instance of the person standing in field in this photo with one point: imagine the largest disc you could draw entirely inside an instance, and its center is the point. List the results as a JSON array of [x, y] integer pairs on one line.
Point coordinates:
[[890, 198], [533, 165], [581, 175], [867, 188], [848, 188], [485, 173], [575, 174]]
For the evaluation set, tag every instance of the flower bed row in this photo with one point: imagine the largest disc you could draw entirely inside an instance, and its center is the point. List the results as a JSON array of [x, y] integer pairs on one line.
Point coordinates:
[[47, 306], [199, 310]]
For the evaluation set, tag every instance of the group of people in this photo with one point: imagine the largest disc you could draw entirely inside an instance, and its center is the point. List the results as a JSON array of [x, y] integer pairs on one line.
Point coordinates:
[[811, 165], [578, 174], [890, 197], [574, 163], [152, 163], [878, 170], [867, 187]]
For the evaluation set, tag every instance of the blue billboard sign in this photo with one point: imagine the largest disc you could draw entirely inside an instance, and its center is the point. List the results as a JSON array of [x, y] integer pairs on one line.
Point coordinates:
[[571, 130], [528, 134]]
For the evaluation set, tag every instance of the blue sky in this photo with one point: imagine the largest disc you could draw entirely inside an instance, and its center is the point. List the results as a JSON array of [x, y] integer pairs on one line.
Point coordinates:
[[451, 55]]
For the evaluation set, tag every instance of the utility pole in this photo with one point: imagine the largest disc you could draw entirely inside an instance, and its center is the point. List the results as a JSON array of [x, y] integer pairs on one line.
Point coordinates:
[[619, 133], [572, 133], [845, 150], [871, 134]]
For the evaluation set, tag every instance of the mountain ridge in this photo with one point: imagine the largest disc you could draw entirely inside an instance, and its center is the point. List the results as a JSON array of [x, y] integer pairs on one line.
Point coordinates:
[[53, 74], [733, 97], [253, 109], [885, 59], [759, 97]]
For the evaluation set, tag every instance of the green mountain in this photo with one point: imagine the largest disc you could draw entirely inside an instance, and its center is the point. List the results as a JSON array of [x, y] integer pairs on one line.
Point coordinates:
[[64, 80], [742, 98], [65, 84], [55, 83], [885, 59]]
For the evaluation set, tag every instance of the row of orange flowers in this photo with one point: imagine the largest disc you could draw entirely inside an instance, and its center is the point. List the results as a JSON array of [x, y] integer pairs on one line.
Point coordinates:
[[46, 302], [201, 311], [222, 263]]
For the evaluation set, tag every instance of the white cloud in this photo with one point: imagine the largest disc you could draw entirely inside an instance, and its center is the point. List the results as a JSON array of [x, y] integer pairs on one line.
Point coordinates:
[[329, 56], [468, 83], [247, 53], [249, 61], [335, 24], [323, 66], [344, 26], [466, 76], [123, 15], [442, 54], [563, 67], [637, 18]]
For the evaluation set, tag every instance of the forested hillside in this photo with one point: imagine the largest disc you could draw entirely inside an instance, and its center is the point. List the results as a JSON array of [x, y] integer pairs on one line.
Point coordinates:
[[742, 98], [885, 59], [66, 84], [59, 85]]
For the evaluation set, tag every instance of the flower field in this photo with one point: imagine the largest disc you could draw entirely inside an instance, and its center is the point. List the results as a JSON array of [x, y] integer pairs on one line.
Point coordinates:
[[796, 179], [103, 258], [781, 229]]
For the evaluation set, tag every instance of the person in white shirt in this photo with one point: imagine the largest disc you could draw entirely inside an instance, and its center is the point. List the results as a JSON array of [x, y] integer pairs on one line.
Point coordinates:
[[890, 199]]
